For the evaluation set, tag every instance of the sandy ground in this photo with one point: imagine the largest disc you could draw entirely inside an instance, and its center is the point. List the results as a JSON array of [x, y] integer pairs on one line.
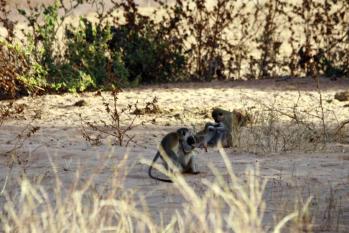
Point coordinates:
[[324, 175]]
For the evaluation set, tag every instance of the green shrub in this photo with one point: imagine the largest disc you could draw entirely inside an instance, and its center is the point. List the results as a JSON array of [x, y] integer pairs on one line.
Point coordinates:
[[148, 57], [89, 62], [41, 39]]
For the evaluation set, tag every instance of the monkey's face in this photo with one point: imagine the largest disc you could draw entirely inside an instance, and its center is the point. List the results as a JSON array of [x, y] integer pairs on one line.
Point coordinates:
[[186, 137], [182, 133], [191, 141], [218, 116]]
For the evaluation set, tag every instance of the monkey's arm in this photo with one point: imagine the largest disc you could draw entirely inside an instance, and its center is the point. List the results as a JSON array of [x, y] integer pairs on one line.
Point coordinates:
[[220, 127], [205, 136], [200, 140], [215, 133]]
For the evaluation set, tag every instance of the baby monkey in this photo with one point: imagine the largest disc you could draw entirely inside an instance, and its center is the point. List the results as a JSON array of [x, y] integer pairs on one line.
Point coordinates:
[[175, 151], [213, 133]]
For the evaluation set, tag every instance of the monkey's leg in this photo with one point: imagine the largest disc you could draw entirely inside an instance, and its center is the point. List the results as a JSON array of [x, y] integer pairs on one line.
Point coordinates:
[[229, 140], [217, 138], [191, 167]]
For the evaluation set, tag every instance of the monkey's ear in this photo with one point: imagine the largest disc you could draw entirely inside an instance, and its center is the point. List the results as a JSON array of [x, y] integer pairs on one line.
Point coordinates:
[[181, 131]]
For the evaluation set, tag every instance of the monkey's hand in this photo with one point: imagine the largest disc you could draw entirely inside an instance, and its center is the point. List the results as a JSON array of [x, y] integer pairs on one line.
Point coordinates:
[[205, 146], [211, 128]]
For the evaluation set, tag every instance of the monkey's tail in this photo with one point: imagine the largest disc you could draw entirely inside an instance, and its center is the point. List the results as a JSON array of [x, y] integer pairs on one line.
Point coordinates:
[[154, 177]]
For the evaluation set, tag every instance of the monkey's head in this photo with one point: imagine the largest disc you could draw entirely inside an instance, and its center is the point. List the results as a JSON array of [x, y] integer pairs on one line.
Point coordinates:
[[186, 137], [218, 115]]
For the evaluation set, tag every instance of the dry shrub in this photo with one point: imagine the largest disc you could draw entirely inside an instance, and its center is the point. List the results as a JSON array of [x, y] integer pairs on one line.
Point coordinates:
[[118, 127], [270, 134], [12, 65], [150, 108], [341, 132], [296, 127], [183, 40], [10, 110]]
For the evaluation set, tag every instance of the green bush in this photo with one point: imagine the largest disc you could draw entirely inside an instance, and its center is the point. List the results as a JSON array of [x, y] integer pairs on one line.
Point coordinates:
[[41, 39], [148, 57], [89, 63], [121, 56]]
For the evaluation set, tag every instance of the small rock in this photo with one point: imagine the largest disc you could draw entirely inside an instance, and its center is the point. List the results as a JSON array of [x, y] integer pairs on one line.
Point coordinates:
[[342, 96], [98, 93], [346, 106], [177, 116], [138, 112], [80, 103]]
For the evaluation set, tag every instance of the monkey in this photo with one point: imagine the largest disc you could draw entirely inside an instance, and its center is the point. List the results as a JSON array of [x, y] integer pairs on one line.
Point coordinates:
[[212, 135], [233, 121], [176, 148]]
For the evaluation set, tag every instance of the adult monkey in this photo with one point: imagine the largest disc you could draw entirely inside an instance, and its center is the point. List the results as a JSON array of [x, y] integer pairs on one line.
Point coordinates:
[[175, 151], [233, 121]]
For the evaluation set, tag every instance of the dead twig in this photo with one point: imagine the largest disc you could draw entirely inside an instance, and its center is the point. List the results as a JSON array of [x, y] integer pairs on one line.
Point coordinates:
[[121, 122]]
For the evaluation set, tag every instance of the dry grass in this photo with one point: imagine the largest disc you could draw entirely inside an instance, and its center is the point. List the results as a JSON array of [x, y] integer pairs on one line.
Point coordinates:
[[277, 127], [230, 204]]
